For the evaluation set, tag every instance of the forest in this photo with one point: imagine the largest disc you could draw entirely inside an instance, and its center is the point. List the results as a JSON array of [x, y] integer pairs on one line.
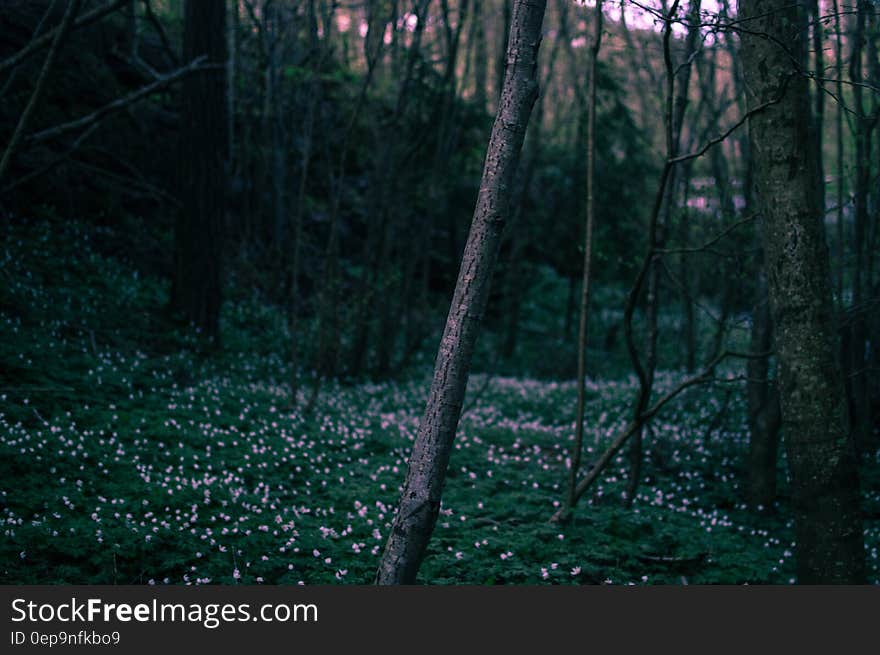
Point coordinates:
[[446, 292]]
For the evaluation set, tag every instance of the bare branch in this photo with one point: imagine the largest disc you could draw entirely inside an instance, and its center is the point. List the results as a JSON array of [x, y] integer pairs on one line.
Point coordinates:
[[706, 375], [731, 129], [120, 103]]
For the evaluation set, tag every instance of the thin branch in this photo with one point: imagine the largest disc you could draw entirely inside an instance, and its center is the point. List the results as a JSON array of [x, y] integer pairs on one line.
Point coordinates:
[[60, 34], [745, 117], [42, 41], [730, 228], [117, 105]]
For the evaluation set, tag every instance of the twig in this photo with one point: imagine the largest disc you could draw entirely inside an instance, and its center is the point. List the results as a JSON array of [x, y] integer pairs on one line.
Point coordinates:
[[476, 397]]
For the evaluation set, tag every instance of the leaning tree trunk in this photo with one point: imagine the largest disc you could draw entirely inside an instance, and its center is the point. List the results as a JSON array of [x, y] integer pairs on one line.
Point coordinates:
[[420, 499], [824, 481]]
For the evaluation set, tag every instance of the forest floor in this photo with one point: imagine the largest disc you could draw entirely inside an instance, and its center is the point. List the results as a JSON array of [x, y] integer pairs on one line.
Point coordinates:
[[127, 456]]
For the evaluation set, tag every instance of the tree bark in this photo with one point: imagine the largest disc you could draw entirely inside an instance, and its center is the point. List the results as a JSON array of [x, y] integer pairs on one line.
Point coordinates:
[[420, 499], [824, 479]]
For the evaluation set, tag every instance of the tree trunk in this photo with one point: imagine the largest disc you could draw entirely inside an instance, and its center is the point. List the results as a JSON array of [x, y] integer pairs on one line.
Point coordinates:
[[481, 59], [678, 80], [824, 478], [420, 499], [838, 142], [860, 408], [577, 446], [315, 92], [196, 289], [763, 407]]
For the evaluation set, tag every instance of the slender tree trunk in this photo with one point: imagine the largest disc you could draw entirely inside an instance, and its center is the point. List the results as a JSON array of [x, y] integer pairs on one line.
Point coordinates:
[[859, 402], [577, 446], [314, 94], [279, 143], [824, 478], [232, 70], [679, 81], [763, 406], [841, 174], [815, 22], [481, 59], [420, 500], [690, 282]]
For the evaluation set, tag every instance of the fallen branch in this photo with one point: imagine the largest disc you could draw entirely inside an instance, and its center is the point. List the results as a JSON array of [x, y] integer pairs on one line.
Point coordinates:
[[669, 559]]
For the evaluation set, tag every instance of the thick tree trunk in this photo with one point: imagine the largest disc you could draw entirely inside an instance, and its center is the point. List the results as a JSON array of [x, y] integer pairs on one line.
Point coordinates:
[[824, 480], [420, 499], [196, 290]]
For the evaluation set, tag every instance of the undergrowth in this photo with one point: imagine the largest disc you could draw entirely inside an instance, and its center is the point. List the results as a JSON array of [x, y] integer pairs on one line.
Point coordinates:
[[129, 455]]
